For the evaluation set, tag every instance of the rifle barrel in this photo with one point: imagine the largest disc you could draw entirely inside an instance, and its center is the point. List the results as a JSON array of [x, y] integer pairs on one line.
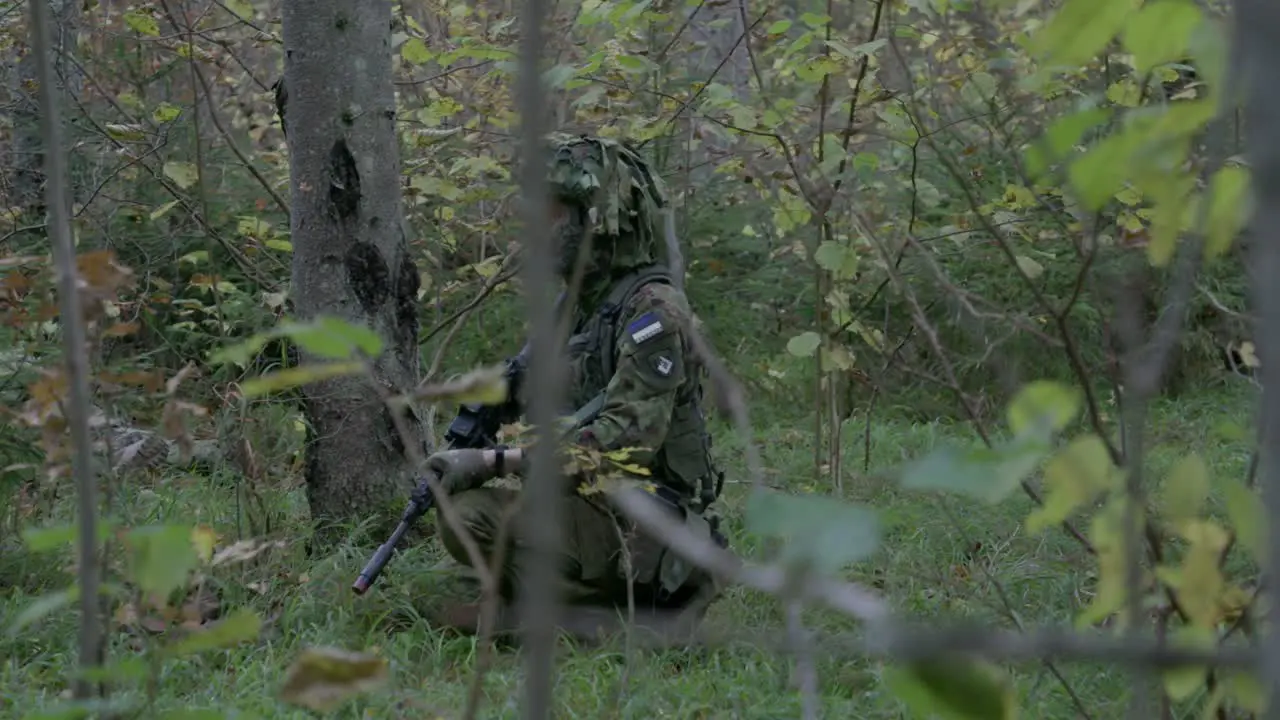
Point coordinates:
[[380, 558]]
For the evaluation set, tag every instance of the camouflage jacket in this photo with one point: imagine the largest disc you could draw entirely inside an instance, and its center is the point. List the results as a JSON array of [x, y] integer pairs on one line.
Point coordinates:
[[637, 351]]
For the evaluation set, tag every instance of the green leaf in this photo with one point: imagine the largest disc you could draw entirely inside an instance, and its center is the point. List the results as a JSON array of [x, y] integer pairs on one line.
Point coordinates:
[[184, 174], [1229, 208], [778, 27], [632, 64], [242, 353], [323, 678], [1079, 31], [142, 24], [1246, 691], [415, 51], [295, 376], [1183, 681], [281, 245], [954, 689], [163, 209], [55, 536], [163, 556], [814, 20], [836, 258], [1246, 512], [1186, 488], [557, 76], [804, 344], [166, 113], [1029, 267], [42, 607], [987, 474], [1160, 32], [1100, 173], [818, 531], [1043, 405], [240, 8], [333, 338], [238, 627], [1076, 475], [1208, 49]]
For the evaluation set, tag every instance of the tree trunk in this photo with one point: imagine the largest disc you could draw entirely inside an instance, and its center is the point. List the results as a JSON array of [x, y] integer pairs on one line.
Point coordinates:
[[350, 257]]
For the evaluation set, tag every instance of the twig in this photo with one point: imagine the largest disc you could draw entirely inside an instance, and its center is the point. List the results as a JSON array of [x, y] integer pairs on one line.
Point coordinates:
[[57, 200], [1254, 54], [541, 515]]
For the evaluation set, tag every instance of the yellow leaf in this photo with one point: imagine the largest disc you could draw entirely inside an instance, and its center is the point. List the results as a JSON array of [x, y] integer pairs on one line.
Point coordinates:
[[1200, 582], [203, 539], [160, 211], [322, 678], [1107, 535], [1182, 682], [1229, 202], [240, 8], [184, 174], [486, 386], [1246, 691], [295, 376], [1125, 93], [1246, 513], [1043, 402], [415, 51], [142, 24], [1186, 488], [1076, 475]]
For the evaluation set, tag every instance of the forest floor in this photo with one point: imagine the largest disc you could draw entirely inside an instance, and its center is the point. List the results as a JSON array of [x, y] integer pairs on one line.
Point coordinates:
[[940, 559]]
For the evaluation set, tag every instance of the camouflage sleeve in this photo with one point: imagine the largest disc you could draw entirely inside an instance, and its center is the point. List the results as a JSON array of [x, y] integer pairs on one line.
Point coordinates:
[[648, 373]]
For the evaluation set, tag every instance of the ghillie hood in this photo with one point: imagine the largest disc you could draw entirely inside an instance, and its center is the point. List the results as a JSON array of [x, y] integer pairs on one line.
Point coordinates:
[[624, 200]]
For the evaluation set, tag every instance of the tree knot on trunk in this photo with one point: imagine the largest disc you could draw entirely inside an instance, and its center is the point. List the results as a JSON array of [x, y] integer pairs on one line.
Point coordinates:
[[344, 181], [369, 276]]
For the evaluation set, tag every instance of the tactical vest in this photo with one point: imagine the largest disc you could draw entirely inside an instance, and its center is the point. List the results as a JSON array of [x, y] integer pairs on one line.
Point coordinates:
[[683, 463]]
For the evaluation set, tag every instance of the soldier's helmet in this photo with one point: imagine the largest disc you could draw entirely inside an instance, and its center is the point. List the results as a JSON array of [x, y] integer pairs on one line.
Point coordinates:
[[622, 198]]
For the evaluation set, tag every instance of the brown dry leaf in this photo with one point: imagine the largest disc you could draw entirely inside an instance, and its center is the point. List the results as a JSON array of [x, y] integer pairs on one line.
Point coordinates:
[[101, 273], [322, 678], [188, 370], [121, 329]]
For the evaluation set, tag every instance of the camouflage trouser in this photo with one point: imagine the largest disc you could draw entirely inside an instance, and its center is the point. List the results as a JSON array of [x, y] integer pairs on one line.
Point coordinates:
[[592, 560]]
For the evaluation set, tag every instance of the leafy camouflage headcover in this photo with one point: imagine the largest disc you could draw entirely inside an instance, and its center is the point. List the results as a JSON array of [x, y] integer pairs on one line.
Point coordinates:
[[623, 196]]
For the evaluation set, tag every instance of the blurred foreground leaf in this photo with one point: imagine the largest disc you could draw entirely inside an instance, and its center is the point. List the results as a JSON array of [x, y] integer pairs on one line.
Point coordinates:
[[322, 678]]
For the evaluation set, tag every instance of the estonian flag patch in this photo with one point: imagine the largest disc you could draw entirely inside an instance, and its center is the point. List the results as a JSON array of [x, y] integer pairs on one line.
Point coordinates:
[[646, 327]]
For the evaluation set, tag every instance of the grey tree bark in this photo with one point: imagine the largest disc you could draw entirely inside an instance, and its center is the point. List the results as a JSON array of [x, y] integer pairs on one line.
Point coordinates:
[[350, 259]]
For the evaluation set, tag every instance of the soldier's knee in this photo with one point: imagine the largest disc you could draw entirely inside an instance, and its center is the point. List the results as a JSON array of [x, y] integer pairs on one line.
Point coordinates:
[[473, 510]]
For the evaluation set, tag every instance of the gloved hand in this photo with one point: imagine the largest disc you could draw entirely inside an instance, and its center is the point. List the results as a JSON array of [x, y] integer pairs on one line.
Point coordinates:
[[460, 470]]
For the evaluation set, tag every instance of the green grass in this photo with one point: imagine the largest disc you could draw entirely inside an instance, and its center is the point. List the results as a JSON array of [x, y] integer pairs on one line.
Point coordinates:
[[938, 560]]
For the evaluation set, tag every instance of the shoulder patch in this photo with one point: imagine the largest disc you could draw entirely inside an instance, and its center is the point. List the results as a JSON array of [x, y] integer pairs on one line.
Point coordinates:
[[662, 364], [646, 327]]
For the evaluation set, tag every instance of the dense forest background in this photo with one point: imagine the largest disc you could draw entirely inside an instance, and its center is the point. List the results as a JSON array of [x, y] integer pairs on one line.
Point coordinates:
[[977, 273]]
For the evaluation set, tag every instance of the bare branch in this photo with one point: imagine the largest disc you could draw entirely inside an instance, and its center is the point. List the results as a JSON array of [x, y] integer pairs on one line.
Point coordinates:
[[58, 201], [541, 515]]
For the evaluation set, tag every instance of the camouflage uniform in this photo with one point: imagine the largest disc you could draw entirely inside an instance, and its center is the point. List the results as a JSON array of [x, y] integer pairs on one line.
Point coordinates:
[[630, 352]]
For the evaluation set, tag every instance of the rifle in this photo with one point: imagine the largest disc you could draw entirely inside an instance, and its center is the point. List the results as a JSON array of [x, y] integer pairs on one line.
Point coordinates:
[[475, 426]]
